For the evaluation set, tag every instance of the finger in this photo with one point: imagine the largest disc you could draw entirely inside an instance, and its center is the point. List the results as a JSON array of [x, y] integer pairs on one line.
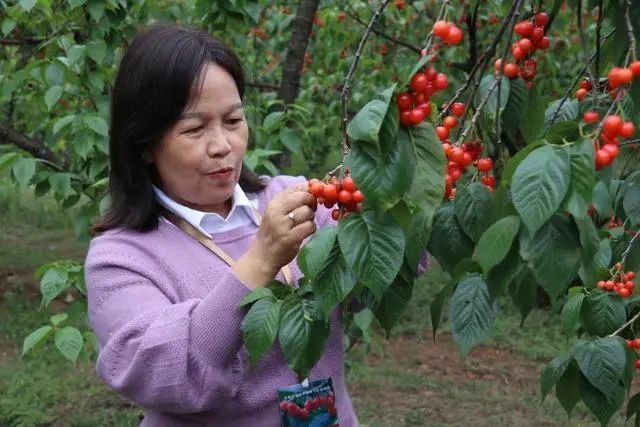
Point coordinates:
[[301, 214], [300, 198], [304, 186], [302, 231]]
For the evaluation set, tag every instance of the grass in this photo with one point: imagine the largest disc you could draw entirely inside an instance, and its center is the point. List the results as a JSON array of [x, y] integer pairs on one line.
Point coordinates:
[[409, 380]]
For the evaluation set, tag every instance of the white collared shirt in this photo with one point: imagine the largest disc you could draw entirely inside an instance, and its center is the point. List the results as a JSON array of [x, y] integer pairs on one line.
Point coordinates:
[[207, 223]]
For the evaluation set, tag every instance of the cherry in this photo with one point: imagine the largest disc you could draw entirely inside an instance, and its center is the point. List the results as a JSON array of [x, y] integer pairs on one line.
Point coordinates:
[[612, 149], [441, 81], [442, 132], [454, 36], [544, 43], [348, 184], [524, 29], [441, 29], [613, 124], [630, 275], [330, 192], [517, 53], [489, 180], [637, 363], [425, 107], [581, 93], [431, 73], [417, 116], [419, 82], [635, 68], [586, 84], [335, 214], [538, 34], [457, 109], [404, 101], [357, 196], [450, 122], [485, 165], [591, 117], [542, 19], [344, 197], [405, 118], [603, 158], [525, 45], [623, 292], [511, 70], [627, 130], [316, 187]]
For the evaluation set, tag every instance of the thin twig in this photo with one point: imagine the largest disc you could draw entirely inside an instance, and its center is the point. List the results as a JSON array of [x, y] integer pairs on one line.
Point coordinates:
[[489, 52], [622, 261], [476, 115], [347, 81], [583, 42], [482, 64], [576, 80], [503, 61], [598, 37], [625, 254], [632, 38], [441, 14], [354, 15]]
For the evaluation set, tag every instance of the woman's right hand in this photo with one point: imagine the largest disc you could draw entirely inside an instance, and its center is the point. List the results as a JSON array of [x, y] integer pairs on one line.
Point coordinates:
[[280, 235]]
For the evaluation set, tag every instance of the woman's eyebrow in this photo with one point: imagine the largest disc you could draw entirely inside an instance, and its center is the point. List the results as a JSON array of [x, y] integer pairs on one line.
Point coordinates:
[[198, 115]]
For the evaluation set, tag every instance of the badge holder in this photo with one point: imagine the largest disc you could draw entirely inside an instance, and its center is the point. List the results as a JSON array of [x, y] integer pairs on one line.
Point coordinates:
[[310, 404]]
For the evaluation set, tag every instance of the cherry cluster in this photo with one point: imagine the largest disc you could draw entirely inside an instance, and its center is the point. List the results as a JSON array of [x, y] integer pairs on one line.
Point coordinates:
[[448, 31], [617, 77], [621, 282], [415, 106], [344, 193], [294, 410], [460, 158], [533, 38], [608, 146]]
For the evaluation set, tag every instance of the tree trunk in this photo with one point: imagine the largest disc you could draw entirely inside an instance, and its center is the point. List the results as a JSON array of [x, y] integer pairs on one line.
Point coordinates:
[[294, 61]]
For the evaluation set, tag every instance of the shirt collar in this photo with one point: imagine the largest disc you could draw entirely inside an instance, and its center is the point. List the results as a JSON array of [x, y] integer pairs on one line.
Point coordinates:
[[240, 201]]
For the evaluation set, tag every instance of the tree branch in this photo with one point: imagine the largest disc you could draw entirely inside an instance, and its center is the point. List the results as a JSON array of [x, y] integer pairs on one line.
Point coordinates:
[[347, 81], [632, 38], [21, 41], [33, 146], [354, 15]]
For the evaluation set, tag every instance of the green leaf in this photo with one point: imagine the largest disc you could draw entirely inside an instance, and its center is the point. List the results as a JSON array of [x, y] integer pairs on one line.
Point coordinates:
[[54, 74], [373, 245], [76, 3], [57, 319], [514, 162], [568, 387], [475, 209], [437, 305], [631, 203], [516, 109], [419, 65], [260, 328], [589, 238], [503, 274], [314, 254], [7, 160], [256, 295], [567, 111], [97, 50], [97, 124], [27, 5], [427, 188], [61, 185], [601, 405], [394, 300], [602, 362], [539, 185], [563, 131], [273, 121], [552, 373], [420, 231], [383, 179], [495, 243], [472, 313], [448, 242], [92, 339], [23, 170], [633, 407], [96, 9], [335, 279], [603, 313], [8, 25], [583, 178], [368, 122], [54, 281], [303, 335], [602, 201], [36, 339], [571, 313], [76, 53], [553, 254], [63, 122], [524, 291], [291, 139], [68, 341], [492, 103], [532, 124]]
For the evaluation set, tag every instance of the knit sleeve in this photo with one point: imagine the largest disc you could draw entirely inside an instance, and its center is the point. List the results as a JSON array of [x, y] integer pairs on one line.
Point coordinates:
[[173, 357]]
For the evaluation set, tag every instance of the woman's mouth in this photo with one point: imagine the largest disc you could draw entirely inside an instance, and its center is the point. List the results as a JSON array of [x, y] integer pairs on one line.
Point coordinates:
[[223, 173]]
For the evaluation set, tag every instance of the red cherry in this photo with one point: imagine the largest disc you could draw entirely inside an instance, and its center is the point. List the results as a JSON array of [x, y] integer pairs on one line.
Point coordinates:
[[357, 196], [524, 29], [591, 117], [485, 165], [405, 118], [454, 36], [627, 130], [457, 109], [441, 81], [511, 70], [441, 28], [538, 34], [542, 19], [417, 116], [419, 82], [612, 149], [581, 93], [635, 68], [613, 124], [335, 214], [525, 45], [450, 122], [603, 158], [489, 180], [348, 184], [544, 43], [442, 132], [344, 197], [404, 101]]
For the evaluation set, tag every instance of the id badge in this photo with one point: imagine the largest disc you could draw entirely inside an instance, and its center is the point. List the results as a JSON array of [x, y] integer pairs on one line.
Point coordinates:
[[310, 404]]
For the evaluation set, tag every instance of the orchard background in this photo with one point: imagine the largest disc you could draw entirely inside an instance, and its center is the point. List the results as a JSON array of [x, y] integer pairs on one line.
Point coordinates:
[[524, 188]]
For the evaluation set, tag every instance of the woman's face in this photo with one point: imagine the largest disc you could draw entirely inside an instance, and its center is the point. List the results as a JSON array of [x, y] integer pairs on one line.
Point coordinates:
[[200, 158]]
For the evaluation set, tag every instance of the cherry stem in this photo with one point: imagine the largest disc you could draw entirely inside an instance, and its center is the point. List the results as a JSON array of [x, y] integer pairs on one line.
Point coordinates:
[[577, 79], [583, 43], [625, 254], [441, 14], [347, 82], [516, 15], [632, 38], [476, 115]]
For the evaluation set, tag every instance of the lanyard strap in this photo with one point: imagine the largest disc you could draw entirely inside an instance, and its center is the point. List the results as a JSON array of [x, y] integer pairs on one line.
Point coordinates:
[[185, 226]]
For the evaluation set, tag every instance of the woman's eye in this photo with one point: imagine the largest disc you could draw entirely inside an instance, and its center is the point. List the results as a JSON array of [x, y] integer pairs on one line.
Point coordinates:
[[195, 129], [234, 121]]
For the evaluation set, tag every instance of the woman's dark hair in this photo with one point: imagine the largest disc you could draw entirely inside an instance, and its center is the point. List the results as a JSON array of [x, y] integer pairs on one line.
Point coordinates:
[[158, 77]]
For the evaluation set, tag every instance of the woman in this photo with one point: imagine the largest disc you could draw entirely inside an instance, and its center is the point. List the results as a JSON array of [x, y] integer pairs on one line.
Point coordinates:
[[164, 307]]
